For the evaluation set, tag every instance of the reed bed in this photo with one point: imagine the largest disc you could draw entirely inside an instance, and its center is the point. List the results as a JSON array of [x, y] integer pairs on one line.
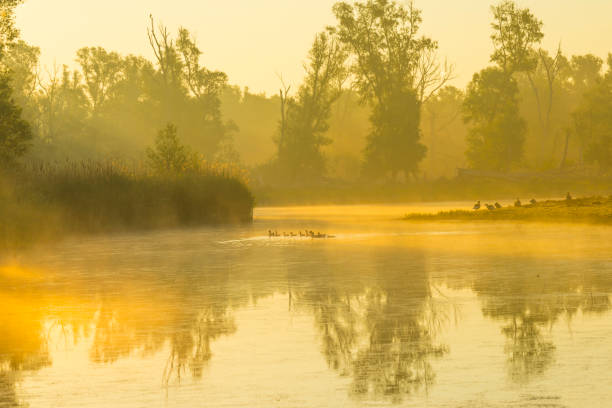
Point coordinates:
[[40, 200]]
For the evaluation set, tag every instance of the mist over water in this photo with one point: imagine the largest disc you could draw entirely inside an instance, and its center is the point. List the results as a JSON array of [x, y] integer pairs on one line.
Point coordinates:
[[387, 312], [169, 238]]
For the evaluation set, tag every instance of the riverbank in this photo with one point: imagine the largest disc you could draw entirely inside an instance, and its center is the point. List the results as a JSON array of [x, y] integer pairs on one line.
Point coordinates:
[[46, 201], [594, 210]]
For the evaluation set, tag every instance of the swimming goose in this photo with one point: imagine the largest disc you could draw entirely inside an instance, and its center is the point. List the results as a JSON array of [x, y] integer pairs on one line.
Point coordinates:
[[490, 207], [477, 205], [517, 203], [497, 205]]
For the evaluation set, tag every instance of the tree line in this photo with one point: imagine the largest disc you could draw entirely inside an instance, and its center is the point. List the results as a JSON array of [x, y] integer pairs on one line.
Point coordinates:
[[375, 102]]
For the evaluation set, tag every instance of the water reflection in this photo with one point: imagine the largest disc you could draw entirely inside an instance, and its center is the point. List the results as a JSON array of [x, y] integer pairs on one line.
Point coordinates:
[[529, 298], [380, 331], [379, 320], [23, 346]]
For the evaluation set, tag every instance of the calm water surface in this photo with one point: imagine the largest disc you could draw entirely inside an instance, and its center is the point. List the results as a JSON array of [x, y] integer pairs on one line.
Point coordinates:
[[388, 313]]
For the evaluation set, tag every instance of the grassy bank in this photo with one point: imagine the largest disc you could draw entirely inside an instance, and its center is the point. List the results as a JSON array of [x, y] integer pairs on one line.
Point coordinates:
[[596, 210], [44, 201]]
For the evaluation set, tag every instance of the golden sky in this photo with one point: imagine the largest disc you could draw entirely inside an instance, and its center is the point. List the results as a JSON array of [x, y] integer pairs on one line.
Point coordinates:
[[254, 40]]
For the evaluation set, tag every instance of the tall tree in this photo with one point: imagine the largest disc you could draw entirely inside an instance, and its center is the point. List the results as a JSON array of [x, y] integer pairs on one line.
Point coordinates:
[[593, 122], [15, 132], [515, 33], [102, 71], [8, 32], [206, 87], [497, 132], [394, 71], [184, 87], [305, 118]]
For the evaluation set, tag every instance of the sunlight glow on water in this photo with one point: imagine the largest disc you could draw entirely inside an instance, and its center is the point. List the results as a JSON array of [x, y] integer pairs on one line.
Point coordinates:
[[387, 312]]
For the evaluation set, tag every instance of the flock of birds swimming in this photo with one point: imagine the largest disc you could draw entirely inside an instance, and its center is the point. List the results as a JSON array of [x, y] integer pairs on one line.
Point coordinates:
[[517, 203], [300, 234]]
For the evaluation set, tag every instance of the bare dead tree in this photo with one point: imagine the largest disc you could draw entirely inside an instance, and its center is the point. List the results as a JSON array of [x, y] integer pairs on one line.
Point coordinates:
[[284, 98], [162, 45], [431, 75]]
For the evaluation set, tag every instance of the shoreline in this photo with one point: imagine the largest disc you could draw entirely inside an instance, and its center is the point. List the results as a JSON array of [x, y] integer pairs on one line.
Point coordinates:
[[590, 210]]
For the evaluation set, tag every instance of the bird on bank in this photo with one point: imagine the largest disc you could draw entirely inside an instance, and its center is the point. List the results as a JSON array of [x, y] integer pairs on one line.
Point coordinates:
[[497, 205], [533, 201], [517, 203], [490, 207], [568, 197], [477, 205]]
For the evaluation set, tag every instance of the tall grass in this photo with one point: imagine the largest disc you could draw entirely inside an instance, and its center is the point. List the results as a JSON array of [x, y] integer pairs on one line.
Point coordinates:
[[42, 199]]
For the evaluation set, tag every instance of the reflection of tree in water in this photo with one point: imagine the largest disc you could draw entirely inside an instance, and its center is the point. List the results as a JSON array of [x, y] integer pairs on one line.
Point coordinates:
[[382, 332], [190, 347], [529, 299], [191, 315], [22, 343], [528, 353], [396, 361], [185, 307]]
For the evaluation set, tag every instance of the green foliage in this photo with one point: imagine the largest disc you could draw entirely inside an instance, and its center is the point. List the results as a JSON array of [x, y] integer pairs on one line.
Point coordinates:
[[515, 32], [593, 122], [8, 32], [101, 72], [15, 133], [394, 145], [306, 119], [20, 61], [188, 93], [168, 155], [388, 72], [497, 132], [111, 105]]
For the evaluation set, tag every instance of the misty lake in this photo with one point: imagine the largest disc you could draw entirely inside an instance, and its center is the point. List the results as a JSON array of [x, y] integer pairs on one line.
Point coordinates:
[[387, 313]]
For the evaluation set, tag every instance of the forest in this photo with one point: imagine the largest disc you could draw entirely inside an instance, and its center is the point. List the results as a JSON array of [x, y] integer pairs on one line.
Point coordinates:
[[377, 118]]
